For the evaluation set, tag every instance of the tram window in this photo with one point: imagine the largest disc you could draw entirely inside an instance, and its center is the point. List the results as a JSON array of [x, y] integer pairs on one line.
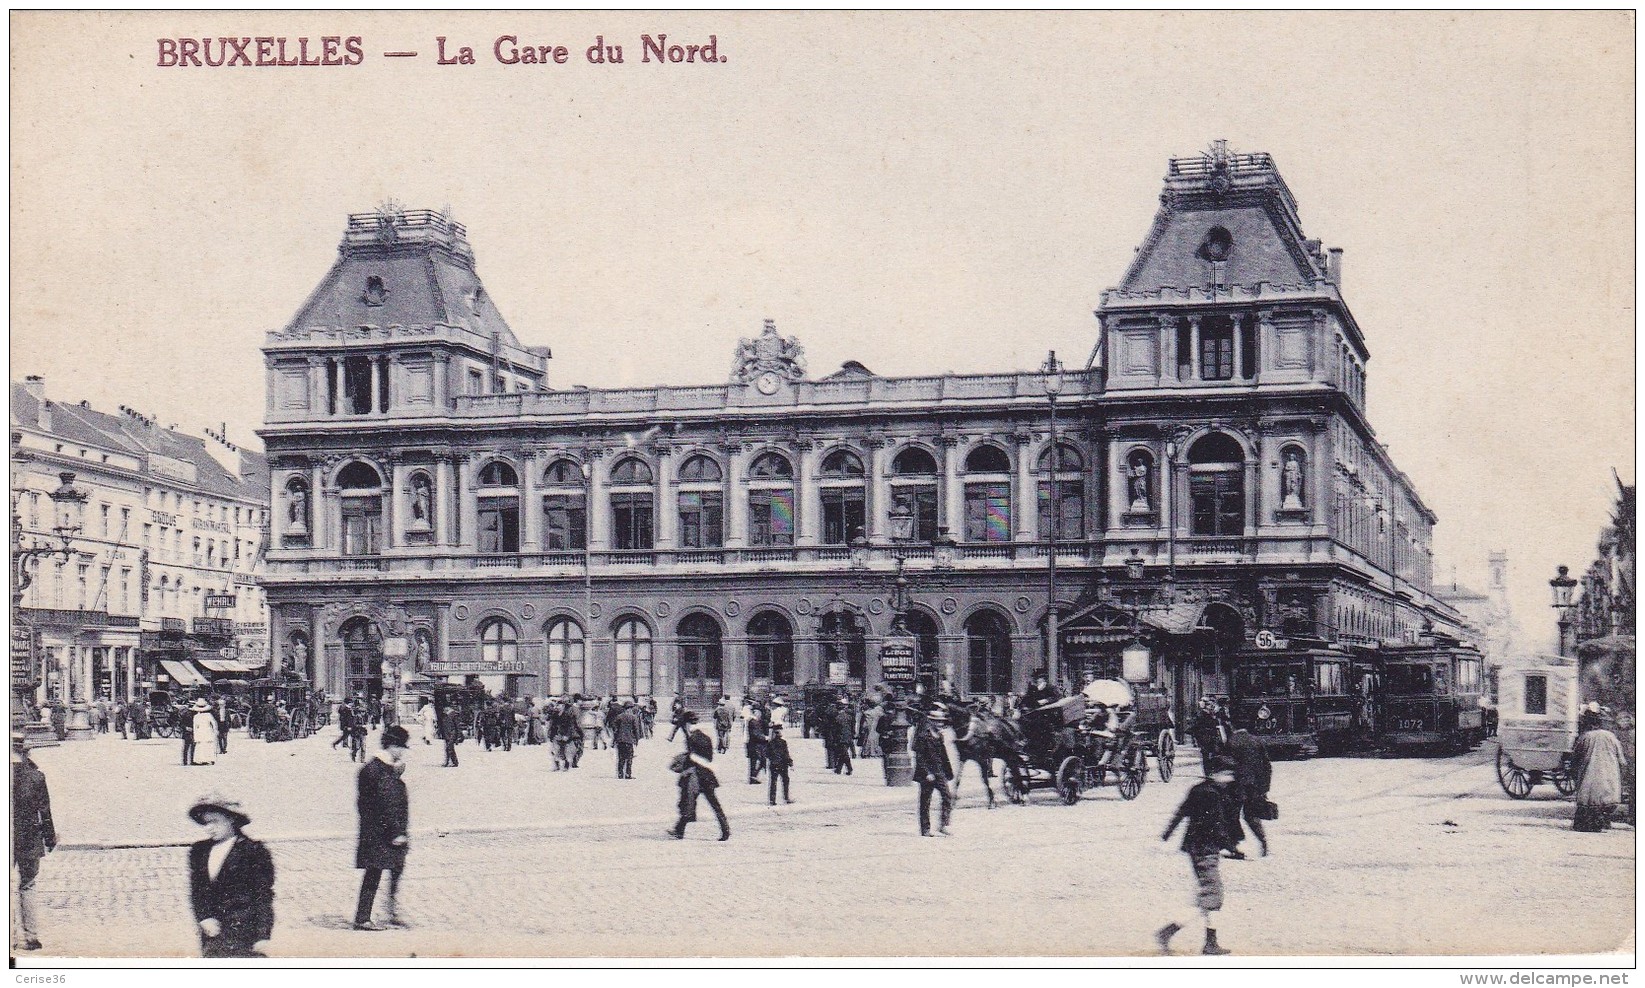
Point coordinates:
[[1410, 679], [1269, 680], [1328, 678]]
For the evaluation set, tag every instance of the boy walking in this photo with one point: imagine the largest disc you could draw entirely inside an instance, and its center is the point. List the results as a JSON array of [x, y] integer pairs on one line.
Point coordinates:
[[1207, 836]]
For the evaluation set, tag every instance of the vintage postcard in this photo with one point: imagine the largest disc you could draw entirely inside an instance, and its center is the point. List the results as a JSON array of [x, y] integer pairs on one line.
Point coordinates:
[[1129, 488]]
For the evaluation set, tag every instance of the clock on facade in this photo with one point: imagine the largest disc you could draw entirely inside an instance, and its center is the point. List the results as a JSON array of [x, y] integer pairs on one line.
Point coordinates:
[[768, 383]]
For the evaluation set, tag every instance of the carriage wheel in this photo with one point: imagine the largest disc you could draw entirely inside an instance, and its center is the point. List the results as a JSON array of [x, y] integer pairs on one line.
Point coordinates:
[[1515, 781], [1070, 775], [1167, 756], [1131, 782], [162, 730], [1564, 779]]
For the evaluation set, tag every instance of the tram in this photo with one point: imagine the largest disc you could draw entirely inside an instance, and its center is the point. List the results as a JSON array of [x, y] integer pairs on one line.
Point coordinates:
[[1296, 700], [1432, 696]]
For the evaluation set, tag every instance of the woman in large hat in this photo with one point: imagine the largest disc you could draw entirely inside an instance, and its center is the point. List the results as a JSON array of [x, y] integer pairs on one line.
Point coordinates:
[[231, 881], [205, 732]]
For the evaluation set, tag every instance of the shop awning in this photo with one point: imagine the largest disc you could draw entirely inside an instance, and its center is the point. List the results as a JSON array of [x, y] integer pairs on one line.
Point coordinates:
[[234, 666], [1178, 619], [183, 673]]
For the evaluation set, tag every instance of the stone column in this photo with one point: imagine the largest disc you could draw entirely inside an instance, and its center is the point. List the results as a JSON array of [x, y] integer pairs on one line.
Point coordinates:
[[952, 511], [1193, 348], [1168, 347], [316, 387], [1027, 494], [468, 504], [736, 499], [668, 510], [375, 363], [807, 496], [599, 512], [531, 508], [395, 510], [1239, 347], [337, 387], [878, 492]]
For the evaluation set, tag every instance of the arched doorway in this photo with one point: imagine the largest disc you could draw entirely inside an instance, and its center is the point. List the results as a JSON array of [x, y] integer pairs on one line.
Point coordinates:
[[770, 650], [363, 658], [844, 640], [927, 663], [702, 667], [988, 654]]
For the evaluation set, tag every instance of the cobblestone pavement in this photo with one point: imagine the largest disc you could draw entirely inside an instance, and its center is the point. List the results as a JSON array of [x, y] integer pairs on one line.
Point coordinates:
[[1372, 856]]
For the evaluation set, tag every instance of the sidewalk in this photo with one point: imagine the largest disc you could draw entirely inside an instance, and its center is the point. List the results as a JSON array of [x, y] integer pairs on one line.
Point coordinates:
[[107, 792]]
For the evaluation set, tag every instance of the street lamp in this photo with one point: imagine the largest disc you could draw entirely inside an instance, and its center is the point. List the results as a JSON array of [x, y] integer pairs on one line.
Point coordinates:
[[1052, 371], [68, 505], [1562, 586], [1137, 600], [898, 765]]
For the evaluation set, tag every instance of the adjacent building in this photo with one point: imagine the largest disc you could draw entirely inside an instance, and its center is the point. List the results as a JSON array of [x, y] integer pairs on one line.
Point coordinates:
[[160, 588], [1209, 483]]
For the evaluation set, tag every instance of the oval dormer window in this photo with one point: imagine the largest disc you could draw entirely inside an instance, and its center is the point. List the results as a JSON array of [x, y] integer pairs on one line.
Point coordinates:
[[376, 293], [1218, 244]]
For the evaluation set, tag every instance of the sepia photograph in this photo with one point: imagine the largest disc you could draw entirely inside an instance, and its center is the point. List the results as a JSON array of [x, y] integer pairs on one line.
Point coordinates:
[[805, 488]]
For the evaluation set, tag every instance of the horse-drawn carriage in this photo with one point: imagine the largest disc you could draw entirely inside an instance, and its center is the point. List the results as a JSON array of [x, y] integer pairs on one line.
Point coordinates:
[[281, 709]]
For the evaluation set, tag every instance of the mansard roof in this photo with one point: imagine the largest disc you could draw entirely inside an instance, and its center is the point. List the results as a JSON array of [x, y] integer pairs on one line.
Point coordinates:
[[1227, 207], [411, 268]]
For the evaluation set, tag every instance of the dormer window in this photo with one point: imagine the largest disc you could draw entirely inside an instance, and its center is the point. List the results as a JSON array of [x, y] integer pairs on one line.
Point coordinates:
[[376, 293]]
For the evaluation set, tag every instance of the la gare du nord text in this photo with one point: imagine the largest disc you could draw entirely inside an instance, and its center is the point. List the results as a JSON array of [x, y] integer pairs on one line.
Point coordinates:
[[507, 49]]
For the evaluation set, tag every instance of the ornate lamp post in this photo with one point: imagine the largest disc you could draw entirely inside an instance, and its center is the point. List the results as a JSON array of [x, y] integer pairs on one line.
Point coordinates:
[[1562, 586], [1137, 599], [1053, 387], [68, 502], [899, 766]]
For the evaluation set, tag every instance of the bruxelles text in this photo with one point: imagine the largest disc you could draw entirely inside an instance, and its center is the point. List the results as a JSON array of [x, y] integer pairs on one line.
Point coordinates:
[[259, 52]]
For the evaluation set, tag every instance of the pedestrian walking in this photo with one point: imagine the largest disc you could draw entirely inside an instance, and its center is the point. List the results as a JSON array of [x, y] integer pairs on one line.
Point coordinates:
[[102, 716], [184, 720], [33, 836], [385, 828], [758, 733], [231, 881], [845, 727], [779, 761], [592, 724], [121, 715], [697, 778], [564, 733], [1253, 774], [345, 724], [205, 733], [676, 716], [933, 771], [1207, 732], [220, 710], [426, 721], [867, 735], [60, 720], [1598, 760], [625, 733], [1206, 837], [451, 729], [724, 719], [357, 738], [648, 716]]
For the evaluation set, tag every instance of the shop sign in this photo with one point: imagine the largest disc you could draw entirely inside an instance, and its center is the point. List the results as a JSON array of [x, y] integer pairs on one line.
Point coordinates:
[[474, 668], [838, 673], [212, 526], [897, 659], [223, 600], [220, 627], [163, 518]]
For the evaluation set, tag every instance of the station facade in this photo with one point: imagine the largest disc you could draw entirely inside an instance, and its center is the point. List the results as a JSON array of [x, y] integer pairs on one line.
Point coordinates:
[[440, 512]]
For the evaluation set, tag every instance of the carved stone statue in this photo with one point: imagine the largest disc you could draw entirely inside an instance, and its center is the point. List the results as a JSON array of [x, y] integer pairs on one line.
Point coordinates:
[[422, 499], [1290, 484], [1141, 500], [297, 656], [768, 353], [297, 508], [425, 650]]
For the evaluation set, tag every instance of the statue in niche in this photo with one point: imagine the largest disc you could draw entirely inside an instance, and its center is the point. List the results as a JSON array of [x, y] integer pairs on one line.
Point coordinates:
[[422, 501], [297, 508], [297, 656], [1141, 498], [1290, 483], [425, 649]]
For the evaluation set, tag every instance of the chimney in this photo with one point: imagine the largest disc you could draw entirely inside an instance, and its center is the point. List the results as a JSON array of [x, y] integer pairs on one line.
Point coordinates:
[[36, 386], [1333, 267]]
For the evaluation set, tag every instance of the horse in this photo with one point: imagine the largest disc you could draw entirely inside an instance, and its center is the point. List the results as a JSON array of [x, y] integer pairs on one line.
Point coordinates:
[[981, 737]]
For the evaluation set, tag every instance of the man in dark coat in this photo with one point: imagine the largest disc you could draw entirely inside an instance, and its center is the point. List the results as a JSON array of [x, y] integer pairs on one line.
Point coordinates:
[[345, 721], [451, 729], [231, 882], [778, 760], [1253, 774], [625, 734], [1042, 693], [1206, 837], [33, 836], [933, 770], [844, 725], [676, 716], [1207, 731], [385, 824], [220, 711], [698, 779], [758, 730]]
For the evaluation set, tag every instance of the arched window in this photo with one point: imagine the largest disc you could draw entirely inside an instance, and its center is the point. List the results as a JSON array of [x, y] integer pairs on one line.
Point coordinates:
[[845, 640], [914, 487], [1061, 494], [498, 525], [499, 643], [771, 649], [699, 469], [1140, 480], [987, 495], [362, 509], [844, 501], [702, 667], [988, 647], [632, 640], [1216, 485], [701, 503], [771, 501], [565, 507], [631, 506], [565, 657]]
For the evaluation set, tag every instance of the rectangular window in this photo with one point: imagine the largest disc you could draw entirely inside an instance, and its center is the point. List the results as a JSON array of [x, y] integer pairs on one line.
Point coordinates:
[[1216, 353], [148, 533], [125, 523], [771, 517], [702, 519], [987, 512], [125, 589], [476, 382], [84, 573], [362, 526], [105, 521], [631, 521], [565, 523], [1069, 510], [844, 514], [922, 500], [1218, 499], [499, 524], [1536, 695]]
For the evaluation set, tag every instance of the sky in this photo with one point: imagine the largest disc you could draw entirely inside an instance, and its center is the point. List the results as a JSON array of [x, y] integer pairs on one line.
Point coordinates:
[[919, 192]]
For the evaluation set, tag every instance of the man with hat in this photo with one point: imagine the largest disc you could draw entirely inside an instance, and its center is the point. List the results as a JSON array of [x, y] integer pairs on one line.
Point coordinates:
[[1042, 693], [778, 760], [933, 770], [385, 824], [697, 778], [33, 836], [231, 881], [625, 734], [1207, 836]]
